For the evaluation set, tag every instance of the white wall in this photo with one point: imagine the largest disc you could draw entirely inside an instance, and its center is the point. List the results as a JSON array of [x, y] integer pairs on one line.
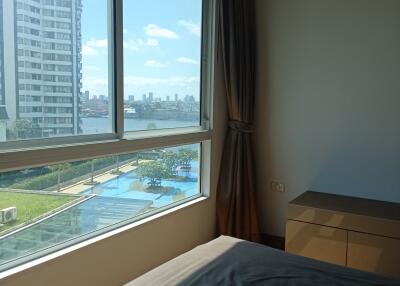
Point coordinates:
[[118, 259], [328, 101]]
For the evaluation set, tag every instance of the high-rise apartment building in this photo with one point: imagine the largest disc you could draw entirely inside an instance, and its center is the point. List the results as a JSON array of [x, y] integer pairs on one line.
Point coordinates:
[[42, 63], [1, 58]]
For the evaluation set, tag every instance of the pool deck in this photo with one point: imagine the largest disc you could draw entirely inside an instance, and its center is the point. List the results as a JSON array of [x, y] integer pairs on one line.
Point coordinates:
[[99, 179]]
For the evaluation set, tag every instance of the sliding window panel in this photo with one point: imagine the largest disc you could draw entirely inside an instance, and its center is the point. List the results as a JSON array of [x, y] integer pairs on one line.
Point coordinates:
[[162, 64]]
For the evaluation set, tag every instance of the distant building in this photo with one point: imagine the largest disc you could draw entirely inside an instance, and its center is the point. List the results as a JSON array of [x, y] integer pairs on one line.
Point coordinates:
[[144, 97], [167, 97], [189, 99], [2, 99], [131, 98], [151, 97], [176, 97], [3, 123], [102, 97], [85, 96]]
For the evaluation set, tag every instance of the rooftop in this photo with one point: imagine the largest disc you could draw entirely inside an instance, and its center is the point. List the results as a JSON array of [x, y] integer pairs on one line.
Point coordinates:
[[90, 215]]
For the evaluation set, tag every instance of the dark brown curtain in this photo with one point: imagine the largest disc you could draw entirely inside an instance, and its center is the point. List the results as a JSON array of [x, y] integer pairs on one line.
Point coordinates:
[[236, 208]]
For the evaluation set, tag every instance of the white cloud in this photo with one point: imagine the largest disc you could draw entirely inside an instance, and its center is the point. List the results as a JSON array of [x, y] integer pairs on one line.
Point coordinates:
[[96, 85], [89, 51], [131, 45], [153, 30], [94, 48], [98, 43], [184, 60], [151, 42], [162, 86], [154, 64], [135, 45], [89, 68], [191, 27], [140, 81]]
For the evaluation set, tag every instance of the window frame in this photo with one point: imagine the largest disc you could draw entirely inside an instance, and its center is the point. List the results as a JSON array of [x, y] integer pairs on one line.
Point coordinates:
[[99, 234], [30, 153], [24, 154]]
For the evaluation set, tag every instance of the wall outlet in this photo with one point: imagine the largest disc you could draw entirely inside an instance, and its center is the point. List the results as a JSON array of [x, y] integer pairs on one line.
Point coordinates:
[[277, 187]]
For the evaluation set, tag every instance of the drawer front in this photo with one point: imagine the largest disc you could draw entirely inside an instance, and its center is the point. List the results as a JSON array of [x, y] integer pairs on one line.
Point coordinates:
[[343, 220], [319, 242], [374, 253]]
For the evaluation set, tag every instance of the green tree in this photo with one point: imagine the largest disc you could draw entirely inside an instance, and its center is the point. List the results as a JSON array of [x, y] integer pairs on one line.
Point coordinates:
[[117, 171], [24, 128], [45, 179], [186, 156], [171, 161], [151, 125], [59, 169], [154, 171]]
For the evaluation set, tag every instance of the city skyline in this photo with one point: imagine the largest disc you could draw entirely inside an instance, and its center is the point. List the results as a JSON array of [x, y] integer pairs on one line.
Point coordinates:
[[86, 94], [161, 50]]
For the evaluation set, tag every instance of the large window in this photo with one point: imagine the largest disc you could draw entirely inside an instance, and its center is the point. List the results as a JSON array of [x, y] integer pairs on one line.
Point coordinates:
[[51, 205], [104, 116]]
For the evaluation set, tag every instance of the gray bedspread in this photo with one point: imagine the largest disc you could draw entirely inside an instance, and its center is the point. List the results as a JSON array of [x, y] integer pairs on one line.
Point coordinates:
[[230, 261]]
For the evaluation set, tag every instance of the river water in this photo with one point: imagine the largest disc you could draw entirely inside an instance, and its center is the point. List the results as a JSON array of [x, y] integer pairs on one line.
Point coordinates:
[[103, 125]]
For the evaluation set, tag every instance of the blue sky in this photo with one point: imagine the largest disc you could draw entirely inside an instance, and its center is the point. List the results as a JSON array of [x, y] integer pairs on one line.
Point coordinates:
[[161, 47]]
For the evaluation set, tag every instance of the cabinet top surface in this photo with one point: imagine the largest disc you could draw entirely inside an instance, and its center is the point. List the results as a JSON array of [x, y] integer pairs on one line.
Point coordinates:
[[359, 206]]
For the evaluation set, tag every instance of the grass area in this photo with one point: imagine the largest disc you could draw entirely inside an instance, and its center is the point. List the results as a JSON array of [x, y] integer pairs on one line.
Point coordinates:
[[30, 206]]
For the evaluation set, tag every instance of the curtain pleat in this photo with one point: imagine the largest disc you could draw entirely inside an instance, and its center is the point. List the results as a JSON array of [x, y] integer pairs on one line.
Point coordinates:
[[236, 207]]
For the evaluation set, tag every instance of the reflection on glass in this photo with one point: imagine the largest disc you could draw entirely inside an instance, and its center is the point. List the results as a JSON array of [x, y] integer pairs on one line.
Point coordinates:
[[46, 206]]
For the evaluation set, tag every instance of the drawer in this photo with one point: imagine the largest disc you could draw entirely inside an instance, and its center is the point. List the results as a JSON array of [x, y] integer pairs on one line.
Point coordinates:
[[349, 213], [374, 253], [319, 242]]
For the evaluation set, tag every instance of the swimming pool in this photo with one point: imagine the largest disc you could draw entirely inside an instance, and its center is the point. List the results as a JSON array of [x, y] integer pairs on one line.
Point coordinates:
[[129, 186]]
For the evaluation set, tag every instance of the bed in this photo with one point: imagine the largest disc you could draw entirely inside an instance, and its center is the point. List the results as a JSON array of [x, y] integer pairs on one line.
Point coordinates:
[[231, 261]]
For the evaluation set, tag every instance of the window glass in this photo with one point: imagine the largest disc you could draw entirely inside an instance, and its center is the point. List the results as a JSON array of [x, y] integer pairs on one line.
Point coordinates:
[[55, 81], [47, 206], [162, 60], [61, 51]]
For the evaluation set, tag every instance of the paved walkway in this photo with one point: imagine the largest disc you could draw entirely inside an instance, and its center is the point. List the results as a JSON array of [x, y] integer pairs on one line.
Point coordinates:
[[83, 185]]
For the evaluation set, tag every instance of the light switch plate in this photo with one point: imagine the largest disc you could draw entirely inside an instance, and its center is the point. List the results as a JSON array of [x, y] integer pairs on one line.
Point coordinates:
[[277, 187]]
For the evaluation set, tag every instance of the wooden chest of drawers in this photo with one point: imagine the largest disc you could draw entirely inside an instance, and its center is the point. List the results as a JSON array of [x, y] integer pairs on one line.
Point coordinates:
[[354, 232]]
